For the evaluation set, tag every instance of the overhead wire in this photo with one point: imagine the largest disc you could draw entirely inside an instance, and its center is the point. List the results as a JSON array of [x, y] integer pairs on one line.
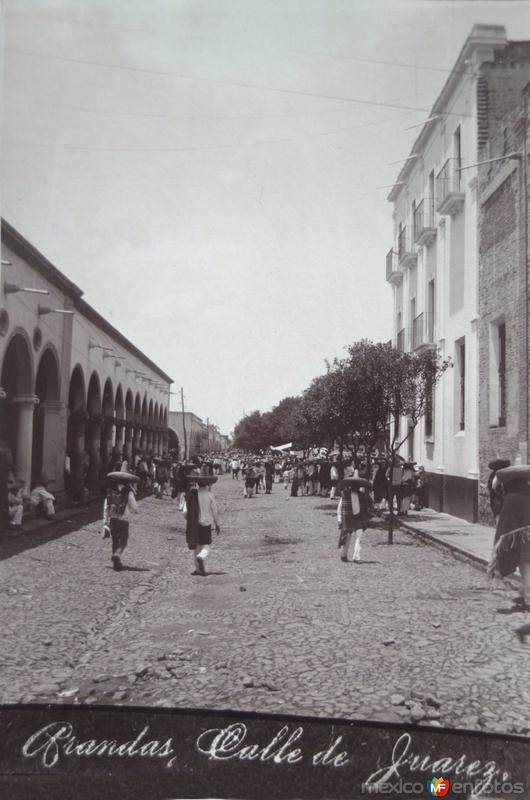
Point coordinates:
[[225, 82], [253, 44]]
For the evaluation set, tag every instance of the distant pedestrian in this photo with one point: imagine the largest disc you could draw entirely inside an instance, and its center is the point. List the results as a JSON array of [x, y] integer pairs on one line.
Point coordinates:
[[351, 517], [324, 478], [269, 475], [494, 487], [42, 501], [15, 504], [249, 476], [380, 487], [235, 468], [201, 514], [120, 503], [333, 479]]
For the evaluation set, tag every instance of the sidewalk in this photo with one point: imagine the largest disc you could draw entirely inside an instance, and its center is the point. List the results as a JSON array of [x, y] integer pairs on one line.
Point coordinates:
[[471, 540]]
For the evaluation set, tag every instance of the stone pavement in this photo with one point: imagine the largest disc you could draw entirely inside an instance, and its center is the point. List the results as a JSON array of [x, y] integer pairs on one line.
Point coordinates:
[[279, 624]]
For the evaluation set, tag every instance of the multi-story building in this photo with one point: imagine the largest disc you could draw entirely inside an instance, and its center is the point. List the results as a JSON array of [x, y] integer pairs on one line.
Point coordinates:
[[504, 313], [191, 436], [70, 383], [433, 265]]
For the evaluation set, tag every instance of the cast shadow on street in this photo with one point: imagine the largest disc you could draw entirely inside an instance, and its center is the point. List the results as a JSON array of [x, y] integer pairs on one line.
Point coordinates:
[[14, 545], [127, 568]]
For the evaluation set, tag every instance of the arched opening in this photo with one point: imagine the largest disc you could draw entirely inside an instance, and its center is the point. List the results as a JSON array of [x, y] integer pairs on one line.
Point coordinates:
[[119, 418], [143, 416], [173, 444], [165, 435], [129, 428], [47, 440], [157, 434], [108, 428], [75, 435], [93, 432], [137, 438], [16, 410], [150, 430]]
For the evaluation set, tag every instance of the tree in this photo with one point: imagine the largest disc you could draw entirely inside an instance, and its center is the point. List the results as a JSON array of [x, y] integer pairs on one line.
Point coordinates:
[[405, 386], [252, 433]]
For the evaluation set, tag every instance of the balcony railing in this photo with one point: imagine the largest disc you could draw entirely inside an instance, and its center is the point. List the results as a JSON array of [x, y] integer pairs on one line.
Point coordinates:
[[449, 194], [423, 331], [393, 270], [424, 222], [406, 255]]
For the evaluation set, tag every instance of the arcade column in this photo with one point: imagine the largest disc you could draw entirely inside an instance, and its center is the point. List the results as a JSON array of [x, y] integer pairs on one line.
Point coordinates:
[[128, 447], [106, 443], [77, 424], [26, 407], [137, 436], [120, 436], [4, 469], [53, 442], [94, 449]]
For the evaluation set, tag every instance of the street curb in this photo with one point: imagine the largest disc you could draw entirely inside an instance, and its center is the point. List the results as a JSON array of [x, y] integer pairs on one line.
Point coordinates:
[[462, 555], [429, 538]]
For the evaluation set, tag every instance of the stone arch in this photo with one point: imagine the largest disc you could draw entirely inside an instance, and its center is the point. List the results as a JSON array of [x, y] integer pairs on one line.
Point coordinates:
[[47, 442], [108, 428], [119, 420], [129, 428], [16, 410], [173, 442], [151, 438], [93, 432], [75, 434], [144, 423], [93, 402]]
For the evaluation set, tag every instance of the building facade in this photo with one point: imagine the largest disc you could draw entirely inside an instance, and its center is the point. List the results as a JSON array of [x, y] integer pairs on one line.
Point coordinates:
[[191, 436], [503, 292], [70, 382], [433, 265]]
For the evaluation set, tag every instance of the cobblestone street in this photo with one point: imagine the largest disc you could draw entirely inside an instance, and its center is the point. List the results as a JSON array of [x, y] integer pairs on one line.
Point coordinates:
[[279, 624]]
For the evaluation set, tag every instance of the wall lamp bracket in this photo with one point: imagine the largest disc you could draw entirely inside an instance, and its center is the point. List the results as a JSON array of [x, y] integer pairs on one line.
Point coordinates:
[[11, 288], [47, 310]]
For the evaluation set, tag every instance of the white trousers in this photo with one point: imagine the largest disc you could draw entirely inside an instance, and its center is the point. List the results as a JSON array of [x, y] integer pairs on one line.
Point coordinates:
[[524, 569], [16, 514], [202, 551], [356, 547]]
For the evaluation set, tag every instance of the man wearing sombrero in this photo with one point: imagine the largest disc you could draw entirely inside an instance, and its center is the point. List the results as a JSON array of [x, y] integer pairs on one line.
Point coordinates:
[[201, 513], [120, 503]]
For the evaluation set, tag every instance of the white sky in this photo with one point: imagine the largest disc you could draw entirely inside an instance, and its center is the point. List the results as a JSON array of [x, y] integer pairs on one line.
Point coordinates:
[[200, 170]]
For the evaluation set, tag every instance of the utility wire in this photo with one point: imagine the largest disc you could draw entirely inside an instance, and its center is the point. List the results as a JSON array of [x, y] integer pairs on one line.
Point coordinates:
[[184, 149], [253, 45], [238, 84]]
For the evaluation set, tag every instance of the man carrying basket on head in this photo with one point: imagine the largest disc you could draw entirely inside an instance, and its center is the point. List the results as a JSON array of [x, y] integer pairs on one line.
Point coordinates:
[[120, 503], [201, 514]]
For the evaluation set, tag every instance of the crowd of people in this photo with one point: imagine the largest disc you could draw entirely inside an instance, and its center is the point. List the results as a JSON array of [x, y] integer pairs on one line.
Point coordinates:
[[363, 487]]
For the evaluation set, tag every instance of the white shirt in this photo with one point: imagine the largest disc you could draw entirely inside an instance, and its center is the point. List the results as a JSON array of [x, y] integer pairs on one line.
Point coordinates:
[[207, 507]]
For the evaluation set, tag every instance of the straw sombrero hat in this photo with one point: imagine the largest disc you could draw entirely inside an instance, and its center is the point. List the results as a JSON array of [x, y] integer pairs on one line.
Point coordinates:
[[356, 483], [499, 463], [201, 480], [518, 473], [121, 477]]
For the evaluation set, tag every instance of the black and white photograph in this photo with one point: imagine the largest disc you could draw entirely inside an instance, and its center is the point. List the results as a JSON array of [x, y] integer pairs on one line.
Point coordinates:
[[265, 370]]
